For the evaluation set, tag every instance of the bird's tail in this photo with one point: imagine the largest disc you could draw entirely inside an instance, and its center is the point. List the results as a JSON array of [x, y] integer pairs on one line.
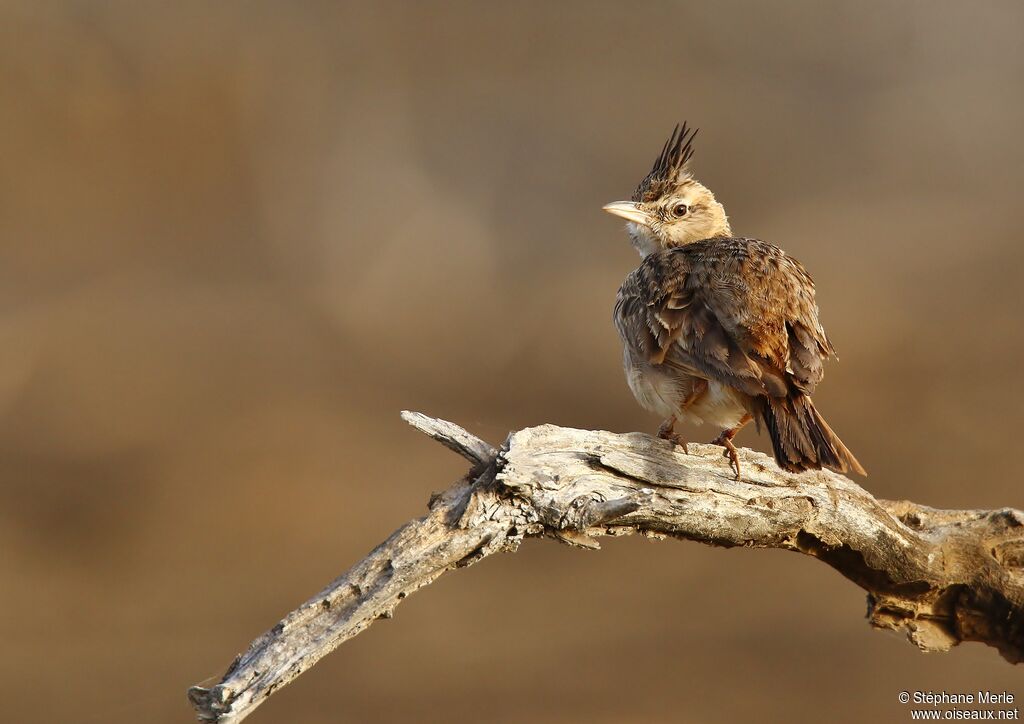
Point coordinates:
[[801, 438]]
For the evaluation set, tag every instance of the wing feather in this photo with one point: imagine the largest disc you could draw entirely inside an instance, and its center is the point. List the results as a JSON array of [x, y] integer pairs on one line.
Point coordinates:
[[737, 311]]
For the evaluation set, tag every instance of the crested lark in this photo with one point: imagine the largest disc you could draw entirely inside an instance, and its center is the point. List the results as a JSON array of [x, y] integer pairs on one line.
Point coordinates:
[[718, 328]]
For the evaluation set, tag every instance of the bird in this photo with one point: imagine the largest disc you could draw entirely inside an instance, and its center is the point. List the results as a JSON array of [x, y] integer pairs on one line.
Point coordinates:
[[717, 328]]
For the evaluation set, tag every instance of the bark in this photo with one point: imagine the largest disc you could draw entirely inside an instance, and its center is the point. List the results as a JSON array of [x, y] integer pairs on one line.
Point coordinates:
[[940, 576]]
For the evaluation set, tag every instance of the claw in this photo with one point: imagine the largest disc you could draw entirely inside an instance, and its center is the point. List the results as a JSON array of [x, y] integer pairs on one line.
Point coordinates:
[[730, 452], [678, 440], [725, 440], [734, 458], [667, 432]]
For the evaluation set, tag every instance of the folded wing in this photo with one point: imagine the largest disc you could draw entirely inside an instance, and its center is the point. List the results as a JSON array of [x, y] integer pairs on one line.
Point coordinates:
[[737, 311]]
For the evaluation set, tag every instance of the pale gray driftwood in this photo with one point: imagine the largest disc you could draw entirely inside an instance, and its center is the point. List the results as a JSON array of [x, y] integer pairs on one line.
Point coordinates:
[[941, 576]]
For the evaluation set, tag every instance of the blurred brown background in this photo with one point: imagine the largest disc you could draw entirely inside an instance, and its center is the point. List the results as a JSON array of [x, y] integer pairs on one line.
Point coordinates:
[[238, 238]]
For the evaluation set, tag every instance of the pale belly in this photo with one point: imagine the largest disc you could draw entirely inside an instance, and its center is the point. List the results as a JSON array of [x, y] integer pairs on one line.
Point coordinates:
[[664, 394]]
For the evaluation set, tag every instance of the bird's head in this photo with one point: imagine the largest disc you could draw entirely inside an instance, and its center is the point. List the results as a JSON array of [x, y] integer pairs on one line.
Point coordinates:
[[670, 208]]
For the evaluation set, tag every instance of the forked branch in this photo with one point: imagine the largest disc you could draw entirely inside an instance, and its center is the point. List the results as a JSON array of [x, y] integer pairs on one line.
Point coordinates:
[[941, 576]]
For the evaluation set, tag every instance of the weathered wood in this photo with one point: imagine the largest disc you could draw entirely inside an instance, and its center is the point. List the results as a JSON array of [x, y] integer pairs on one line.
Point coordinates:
[[941, 576]]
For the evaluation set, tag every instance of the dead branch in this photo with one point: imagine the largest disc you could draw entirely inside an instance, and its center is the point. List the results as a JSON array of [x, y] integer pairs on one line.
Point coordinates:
[[941, 576]]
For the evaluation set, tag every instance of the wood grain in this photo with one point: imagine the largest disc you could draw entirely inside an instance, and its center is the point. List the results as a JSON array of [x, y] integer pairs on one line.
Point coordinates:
[[940, 576]]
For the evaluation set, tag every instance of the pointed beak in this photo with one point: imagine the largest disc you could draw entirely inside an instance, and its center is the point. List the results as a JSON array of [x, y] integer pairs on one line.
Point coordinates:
[[629, 211]]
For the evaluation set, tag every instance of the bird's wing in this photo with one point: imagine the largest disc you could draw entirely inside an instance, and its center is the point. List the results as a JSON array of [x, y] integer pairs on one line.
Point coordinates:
[[738, 311]]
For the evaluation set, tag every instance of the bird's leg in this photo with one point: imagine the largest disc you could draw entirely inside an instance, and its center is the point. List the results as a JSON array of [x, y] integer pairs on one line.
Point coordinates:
[[667, 429], [725, 440], [667, 432]]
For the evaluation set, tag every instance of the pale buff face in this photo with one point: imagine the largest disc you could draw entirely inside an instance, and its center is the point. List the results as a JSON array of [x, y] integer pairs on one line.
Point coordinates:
[[685, 214]]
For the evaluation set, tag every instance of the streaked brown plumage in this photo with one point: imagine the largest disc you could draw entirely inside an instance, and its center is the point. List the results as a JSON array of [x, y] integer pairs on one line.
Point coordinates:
[[717, 328]]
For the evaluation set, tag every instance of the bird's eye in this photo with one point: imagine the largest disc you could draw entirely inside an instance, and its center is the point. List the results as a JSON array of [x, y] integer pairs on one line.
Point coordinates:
[[679, 210]]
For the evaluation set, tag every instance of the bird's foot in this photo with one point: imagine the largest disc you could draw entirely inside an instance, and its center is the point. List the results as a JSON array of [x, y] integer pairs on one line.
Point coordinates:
[[677, 439], [667, 432], [730, 452]]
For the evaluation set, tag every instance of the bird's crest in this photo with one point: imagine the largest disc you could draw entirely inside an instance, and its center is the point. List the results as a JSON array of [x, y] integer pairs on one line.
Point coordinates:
[[671, 167]]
